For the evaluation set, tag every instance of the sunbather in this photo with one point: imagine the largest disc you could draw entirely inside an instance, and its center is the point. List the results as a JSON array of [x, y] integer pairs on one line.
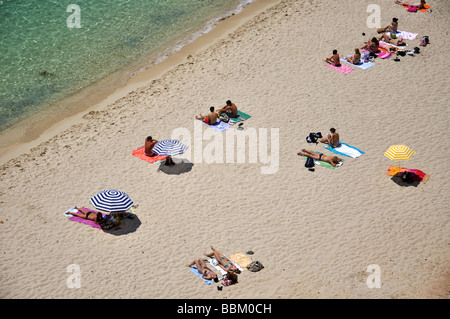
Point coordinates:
[[332, 138], [229, 109], [393, 26], [386, 38], [333, 160], [204, 270], [419, 6], [356, 58], [223, 261], [334, 59], [148, 150], [97, 217], [212, 118], [372, 45]]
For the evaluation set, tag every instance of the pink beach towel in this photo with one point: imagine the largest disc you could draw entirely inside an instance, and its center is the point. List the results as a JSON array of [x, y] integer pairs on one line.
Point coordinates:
[[381, 54], [86, 221], [344, 69]]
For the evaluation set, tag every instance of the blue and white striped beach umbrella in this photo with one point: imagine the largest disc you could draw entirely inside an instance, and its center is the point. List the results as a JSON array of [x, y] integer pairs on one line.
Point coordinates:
[[112, 201], [169, 148]]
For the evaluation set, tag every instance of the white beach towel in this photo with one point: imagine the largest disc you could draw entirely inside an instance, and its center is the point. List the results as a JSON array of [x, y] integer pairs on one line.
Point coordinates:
[[362, 65], [70, 210], [213, 261], [393, 45], [345, 149], [405, 35], [222, 126]]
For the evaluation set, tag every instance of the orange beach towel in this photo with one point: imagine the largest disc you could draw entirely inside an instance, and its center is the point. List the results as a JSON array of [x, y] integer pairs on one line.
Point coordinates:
[[151, 159], [418, 175]]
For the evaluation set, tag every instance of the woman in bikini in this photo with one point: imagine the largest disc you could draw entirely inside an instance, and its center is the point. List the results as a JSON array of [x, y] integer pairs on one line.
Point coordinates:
[[419, 6], [204, 270], [371, 45], [223, 261], [333, 160], [86, 214], [355, 59]]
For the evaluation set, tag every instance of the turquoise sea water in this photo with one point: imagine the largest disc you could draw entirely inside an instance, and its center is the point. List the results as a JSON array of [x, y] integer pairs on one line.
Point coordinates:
[[45, 57]]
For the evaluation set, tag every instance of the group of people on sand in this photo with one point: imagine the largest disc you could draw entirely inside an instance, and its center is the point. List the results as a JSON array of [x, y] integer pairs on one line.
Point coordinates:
[[331, 139], [224, 262], [373, 45]]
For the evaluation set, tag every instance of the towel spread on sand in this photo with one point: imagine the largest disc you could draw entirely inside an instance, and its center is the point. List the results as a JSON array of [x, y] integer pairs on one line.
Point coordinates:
[[418, 175], [393, 45], [86, 221], [426, 7], [380, 54], [195, 271], [213, 261], [151, 159], [241, 117], [344, 69], [325, 164], [362, 65], [404, 34], [221, 126], [241, 259], [345, 149]]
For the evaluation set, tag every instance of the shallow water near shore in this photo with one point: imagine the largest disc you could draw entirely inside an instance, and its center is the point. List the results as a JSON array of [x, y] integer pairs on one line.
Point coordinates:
[[45, 56]]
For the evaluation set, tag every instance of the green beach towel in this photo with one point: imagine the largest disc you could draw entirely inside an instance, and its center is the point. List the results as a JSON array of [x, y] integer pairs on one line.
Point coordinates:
[[325, 164], [241, 117]]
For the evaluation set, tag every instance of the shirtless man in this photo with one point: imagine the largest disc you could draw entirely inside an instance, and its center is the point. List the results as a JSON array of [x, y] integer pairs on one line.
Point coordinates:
[[212, 118], [331, 139], [149, 143], [334, 59], [207, 273], [333, 160], [229, 109]]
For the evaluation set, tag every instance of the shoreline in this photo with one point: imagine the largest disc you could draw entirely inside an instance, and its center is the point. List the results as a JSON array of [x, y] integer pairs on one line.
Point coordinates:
[[40, 127]]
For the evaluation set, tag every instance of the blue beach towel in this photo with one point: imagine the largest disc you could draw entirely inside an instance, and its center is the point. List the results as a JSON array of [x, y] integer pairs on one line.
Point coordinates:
[[222, 126], [345, 149], [360, 65], [195, 271]]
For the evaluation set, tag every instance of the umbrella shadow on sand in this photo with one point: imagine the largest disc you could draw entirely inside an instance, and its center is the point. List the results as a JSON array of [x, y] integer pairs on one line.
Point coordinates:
[[181, 166], [399, 181], [126, 226]]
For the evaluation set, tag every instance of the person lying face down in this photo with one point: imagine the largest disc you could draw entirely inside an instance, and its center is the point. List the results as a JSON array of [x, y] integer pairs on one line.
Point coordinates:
[[333, 160]]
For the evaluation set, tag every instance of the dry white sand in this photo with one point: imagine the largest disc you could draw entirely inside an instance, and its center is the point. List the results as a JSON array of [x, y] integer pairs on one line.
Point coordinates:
[[315, 232]]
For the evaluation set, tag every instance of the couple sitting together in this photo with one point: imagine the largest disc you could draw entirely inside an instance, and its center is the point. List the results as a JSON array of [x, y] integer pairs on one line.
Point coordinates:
[[332, 139], [213, 118]]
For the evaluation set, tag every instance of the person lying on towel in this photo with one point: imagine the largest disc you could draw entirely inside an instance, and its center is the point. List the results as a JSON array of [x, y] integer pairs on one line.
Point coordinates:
[[333, 160], [212, 118], [207, 273], [419, 6]]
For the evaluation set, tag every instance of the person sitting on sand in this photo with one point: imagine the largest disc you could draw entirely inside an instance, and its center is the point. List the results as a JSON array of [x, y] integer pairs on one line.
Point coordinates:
[[333, 160], [148, 150], [229, 109], [393, 26], [332, 138], [386, 38], [372, 45], [211, 119], [334, 59], [356, 58], [97, 217], [223, 261], [419, 6], [207, 273]]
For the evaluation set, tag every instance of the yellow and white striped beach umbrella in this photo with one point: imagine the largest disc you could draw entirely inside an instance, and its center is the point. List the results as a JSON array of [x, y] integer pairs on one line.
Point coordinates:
[[399, 152]]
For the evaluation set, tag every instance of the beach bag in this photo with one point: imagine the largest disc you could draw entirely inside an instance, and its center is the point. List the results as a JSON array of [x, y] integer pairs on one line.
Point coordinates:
[[412, 9], [312, 138], [424, 41], [255, 266], [309, 162], [109, 221], [224, 118]]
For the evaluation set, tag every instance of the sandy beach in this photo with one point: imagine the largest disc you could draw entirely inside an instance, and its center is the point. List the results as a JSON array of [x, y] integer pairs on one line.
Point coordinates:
[[316, 233]]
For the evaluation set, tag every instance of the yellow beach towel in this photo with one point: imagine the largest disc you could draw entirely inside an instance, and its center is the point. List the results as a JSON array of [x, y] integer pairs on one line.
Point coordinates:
[[241, 259]]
